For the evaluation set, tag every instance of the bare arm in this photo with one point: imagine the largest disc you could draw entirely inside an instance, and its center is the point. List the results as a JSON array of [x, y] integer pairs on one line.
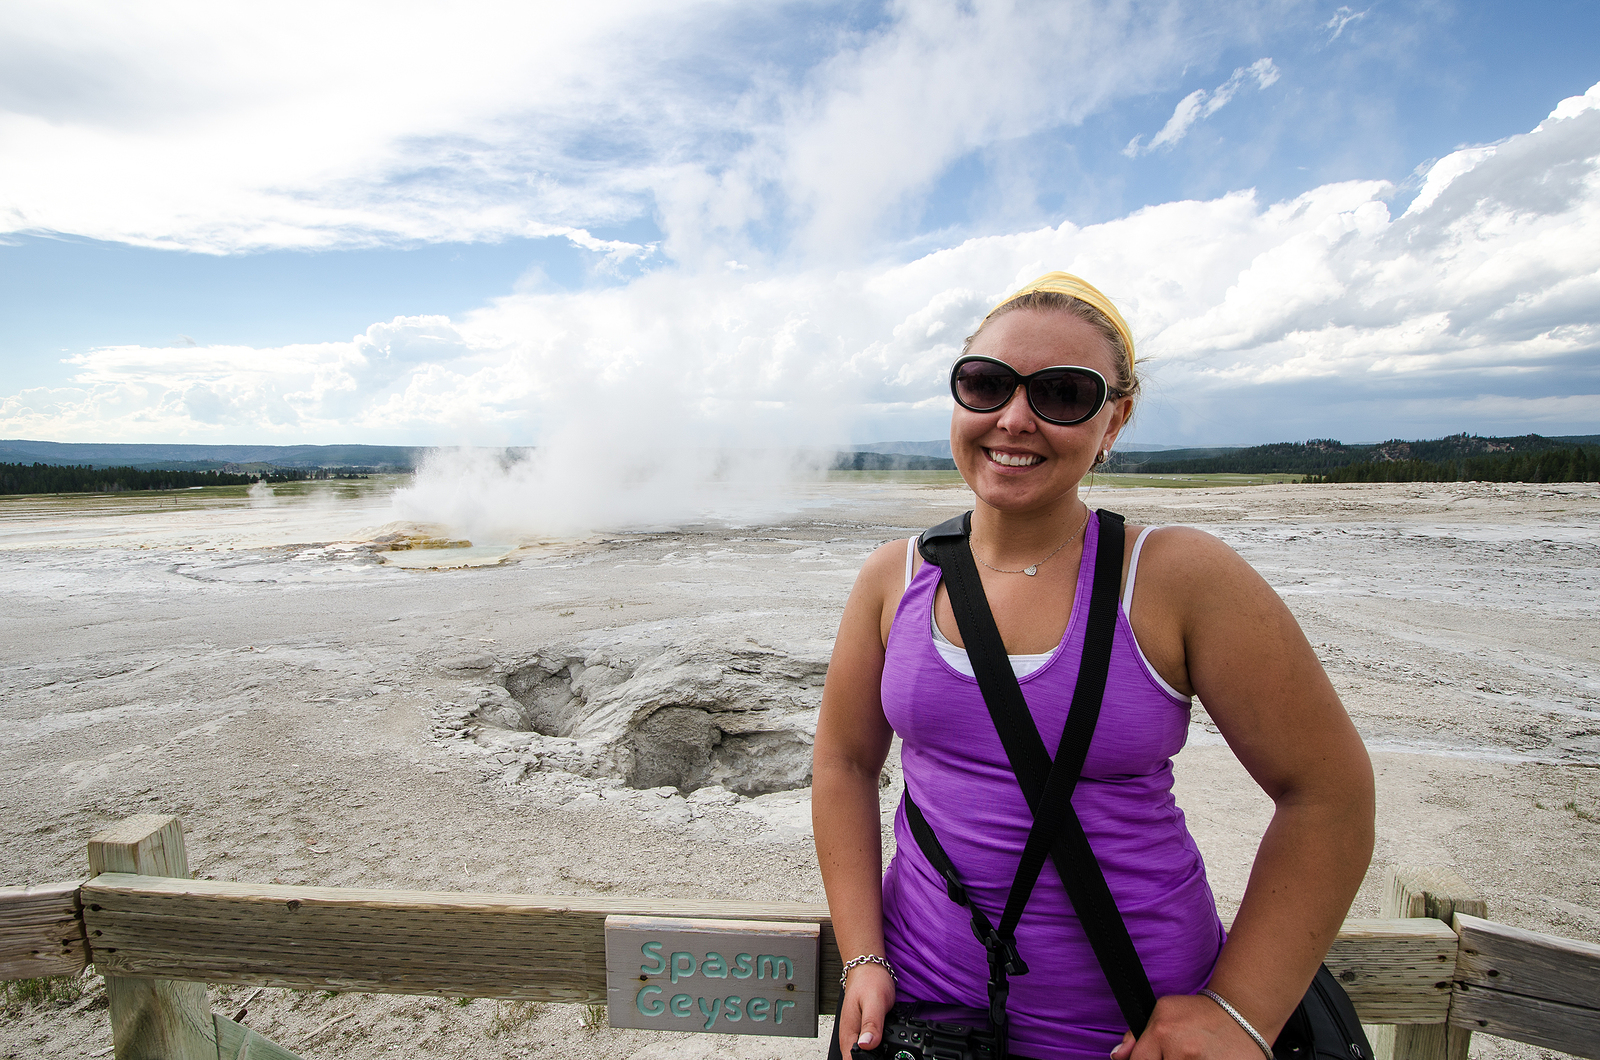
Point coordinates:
[[1244, 655], [851, 745]]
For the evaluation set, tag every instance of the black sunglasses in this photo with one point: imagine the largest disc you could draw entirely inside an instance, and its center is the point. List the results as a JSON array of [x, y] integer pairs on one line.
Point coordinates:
[[1064, 395]]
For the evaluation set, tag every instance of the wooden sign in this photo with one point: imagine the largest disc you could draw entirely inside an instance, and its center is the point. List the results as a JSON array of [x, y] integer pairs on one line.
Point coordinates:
[[722, 976]]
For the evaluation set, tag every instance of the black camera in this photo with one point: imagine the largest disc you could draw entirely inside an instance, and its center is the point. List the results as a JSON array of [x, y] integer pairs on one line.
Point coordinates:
[[924, 1030]]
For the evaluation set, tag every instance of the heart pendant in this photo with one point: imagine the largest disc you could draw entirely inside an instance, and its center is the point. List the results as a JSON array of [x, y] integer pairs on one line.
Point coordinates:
[[1030, 571]]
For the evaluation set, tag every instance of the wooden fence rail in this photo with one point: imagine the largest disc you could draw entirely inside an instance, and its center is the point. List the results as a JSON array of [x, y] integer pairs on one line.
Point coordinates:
[[153, 935], [397, 942], [1533, 988], [41, 931], [546, 948]]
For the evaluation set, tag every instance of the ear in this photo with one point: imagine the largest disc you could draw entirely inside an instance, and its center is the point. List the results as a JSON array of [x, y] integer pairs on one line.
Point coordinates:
[[1121, 412]]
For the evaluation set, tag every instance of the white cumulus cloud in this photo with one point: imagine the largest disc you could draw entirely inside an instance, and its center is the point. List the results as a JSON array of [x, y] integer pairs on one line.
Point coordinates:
[[806, 124], [1477, 308]]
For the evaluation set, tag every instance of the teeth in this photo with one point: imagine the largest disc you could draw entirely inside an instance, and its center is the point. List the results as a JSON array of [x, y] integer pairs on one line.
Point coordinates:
[[1008, 460]]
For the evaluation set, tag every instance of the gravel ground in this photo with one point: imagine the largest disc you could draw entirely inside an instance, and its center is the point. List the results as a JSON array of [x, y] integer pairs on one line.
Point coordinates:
[[316, 713]]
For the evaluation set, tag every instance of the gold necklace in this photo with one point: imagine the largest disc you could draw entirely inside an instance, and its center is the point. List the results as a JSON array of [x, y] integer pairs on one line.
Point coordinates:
[[1030, 571]]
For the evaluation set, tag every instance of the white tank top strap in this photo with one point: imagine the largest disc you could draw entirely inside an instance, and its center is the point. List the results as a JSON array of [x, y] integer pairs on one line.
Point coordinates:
[[1133, 570], [911, 555], [1127, 611]]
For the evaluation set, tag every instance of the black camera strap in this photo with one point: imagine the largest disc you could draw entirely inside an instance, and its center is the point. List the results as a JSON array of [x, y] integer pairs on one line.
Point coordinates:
[[1046, 784]]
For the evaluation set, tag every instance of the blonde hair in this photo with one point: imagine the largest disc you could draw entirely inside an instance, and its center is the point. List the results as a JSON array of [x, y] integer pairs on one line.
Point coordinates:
[[1062, 292]]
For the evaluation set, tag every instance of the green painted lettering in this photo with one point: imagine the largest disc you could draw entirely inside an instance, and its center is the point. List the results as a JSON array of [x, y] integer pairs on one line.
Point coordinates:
[[756, 1008], [711, 1013], [680, 1009], [742, 967], [768, 966], [714, 967], [730, 1008], [653, 951], [682, 966], [777, 1009], [653, 1007]]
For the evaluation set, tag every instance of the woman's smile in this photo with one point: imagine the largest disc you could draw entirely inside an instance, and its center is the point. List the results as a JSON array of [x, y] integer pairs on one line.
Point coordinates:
[[1011, 459]]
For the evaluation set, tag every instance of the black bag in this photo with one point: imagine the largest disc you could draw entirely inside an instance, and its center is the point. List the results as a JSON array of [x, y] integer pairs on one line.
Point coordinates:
[[1324, 1025]]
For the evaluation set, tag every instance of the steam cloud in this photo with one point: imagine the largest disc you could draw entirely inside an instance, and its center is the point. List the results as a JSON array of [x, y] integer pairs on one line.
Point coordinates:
[[574, 486]]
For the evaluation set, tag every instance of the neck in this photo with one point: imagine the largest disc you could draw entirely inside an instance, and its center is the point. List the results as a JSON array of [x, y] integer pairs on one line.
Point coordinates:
[[1015, 539]]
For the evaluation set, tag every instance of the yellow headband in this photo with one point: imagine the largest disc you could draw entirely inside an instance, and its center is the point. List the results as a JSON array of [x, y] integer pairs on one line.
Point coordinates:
[[1068, 284]]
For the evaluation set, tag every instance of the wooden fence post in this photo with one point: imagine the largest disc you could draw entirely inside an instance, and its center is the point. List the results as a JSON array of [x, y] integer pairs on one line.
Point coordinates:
[[152, 1019], [1425, 891]]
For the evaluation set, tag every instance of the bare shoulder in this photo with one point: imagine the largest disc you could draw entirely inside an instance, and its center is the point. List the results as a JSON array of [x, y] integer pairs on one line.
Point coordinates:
[[884, 570], [1181, 559], [1195, 593], [1192, 591], [878, 589]]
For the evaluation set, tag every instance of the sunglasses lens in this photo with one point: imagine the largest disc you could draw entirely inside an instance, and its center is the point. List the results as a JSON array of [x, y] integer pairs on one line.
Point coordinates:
[[982, 386], [1065, 396]]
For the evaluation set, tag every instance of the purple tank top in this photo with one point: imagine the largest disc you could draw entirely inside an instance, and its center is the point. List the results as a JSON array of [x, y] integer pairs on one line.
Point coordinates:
[[957, 771]]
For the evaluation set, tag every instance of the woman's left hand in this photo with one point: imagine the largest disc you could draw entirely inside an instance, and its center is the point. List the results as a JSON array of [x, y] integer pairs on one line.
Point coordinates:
[[1188, 1028]]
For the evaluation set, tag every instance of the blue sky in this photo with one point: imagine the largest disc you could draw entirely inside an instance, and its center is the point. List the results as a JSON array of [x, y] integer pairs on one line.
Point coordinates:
[[771, 223]]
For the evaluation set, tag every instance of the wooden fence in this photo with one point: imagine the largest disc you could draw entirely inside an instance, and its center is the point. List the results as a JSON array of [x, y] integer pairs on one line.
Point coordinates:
[[1423, 985]]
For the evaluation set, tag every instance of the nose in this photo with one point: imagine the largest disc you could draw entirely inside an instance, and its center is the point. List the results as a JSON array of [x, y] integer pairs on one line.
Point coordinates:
[[1016, 415]]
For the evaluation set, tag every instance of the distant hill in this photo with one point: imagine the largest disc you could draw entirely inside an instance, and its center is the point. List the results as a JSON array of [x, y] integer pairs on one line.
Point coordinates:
[[78, 478], [39, 477], [1578, 464], [1132, 456], [938, 448], [1327, 459], [154, 457], [1317, 455], [865, 460]]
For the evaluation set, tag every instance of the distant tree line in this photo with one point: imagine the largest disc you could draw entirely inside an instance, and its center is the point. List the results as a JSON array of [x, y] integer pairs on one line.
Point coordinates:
[[1458, 457], [891, 462], [314, 474], [81, 478], [1579, 464], [1316, 455]]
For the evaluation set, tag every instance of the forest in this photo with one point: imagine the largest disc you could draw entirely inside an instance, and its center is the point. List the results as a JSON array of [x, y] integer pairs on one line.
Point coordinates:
[[81, 478], [1455, 458]]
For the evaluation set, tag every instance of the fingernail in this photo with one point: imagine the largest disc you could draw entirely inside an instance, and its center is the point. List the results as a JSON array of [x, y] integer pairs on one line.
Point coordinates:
[[866, 1036]]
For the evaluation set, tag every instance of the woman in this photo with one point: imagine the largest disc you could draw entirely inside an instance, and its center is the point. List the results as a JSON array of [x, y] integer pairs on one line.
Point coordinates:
[[1202, 623]]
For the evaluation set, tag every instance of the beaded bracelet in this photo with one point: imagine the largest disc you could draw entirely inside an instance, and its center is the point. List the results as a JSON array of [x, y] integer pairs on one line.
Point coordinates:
[[1241, 1021], [866, 958]]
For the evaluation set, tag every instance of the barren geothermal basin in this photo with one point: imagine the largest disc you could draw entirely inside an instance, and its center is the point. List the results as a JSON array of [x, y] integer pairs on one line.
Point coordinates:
[[631, 713]]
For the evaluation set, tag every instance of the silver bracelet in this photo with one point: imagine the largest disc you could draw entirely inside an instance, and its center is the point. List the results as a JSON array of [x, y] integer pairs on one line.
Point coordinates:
[[1254, 1034], [866, 958]]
